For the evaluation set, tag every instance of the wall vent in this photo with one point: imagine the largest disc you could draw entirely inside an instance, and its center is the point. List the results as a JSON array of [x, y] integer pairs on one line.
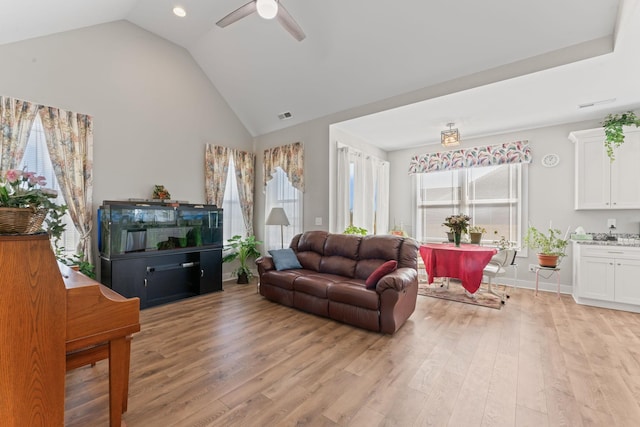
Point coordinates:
[[286, 115]]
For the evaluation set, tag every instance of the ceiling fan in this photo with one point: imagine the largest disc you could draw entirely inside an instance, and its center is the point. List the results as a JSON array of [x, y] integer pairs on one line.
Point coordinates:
[[267, 9]]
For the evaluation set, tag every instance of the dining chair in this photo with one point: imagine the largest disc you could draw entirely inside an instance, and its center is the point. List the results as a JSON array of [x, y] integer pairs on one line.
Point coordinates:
[[497, 267]]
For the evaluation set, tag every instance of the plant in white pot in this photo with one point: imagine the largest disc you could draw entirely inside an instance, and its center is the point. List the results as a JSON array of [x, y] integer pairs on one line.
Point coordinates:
[[243, 250], [551, 246]]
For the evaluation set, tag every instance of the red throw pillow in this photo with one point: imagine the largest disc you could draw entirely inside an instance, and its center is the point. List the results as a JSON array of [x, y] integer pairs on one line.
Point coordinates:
[[378, 273]]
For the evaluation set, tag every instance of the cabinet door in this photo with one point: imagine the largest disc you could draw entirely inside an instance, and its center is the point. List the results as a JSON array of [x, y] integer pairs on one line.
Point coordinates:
[[592, 185], [627, 281], [625, 173], [211, 271], [596, 277]]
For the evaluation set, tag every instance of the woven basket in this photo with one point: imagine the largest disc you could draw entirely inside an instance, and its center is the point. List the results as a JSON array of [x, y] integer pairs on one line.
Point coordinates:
[[21, 220]]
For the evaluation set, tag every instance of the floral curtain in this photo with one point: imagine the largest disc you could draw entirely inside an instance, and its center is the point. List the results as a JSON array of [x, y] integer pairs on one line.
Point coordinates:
[[245, 176], [510, 152], [16, 119], [69, 139], [288, 157], [216, 168]]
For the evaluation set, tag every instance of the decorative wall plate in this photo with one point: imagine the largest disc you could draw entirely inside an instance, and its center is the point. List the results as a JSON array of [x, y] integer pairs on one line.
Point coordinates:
[[550, 160]]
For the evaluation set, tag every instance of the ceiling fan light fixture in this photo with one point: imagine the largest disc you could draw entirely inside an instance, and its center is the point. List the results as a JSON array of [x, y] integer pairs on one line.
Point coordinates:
[[267, 9], [179, 11], [450, 137]]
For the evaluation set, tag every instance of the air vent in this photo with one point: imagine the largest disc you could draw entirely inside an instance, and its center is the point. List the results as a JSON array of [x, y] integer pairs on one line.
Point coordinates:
[[594, 103], [286, 115]]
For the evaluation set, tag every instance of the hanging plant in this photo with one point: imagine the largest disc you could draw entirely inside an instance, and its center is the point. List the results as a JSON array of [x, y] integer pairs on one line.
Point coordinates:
[[614, 135]]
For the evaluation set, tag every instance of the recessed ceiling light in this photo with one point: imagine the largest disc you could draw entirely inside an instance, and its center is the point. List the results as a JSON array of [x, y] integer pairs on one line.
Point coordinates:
[[178, 11]]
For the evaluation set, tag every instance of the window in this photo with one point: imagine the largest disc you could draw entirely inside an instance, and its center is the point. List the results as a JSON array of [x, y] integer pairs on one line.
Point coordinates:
[[280, 193], [362, 197], [36, 159], [492, 196], [233, 222]]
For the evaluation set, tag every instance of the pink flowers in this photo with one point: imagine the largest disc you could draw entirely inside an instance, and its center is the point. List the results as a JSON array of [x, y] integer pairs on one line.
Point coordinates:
[[20, 189]]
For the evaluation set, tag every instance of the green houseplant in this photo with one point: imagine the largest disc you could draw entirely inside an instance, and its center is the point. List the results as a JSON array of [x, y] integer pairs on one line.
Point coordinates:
[[352, 229], [242, 249], [613, 130], [551, 246]]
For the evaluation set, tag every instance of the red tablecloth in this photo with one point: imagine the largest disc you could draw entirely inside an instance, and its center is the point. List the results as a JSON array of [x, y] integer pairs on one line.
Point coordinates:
[[465, 263]]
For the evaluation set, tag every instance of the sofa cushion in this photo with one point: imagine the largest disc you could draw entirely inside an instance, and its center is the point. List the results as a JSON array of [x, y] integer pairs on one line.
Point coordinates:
[[338, 265], [315, 284], [383, 270], [353, 293], [282, 279], [309, 260], [345, 245], [285, 259], [383, 247]]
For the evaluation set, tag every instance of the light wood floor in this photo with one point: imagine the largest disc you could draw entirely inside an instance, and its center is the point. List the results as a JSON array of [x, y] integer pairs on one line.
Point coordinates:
[[235, 359]]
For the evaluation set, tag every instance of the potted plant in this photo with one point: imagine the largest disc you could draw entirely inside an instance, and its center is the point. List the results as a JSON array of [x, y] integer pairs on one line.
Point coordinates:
[[613, 131], [457, 224], [24, 202], [551, 246], [352, 229], [243, 249], [475, 234]]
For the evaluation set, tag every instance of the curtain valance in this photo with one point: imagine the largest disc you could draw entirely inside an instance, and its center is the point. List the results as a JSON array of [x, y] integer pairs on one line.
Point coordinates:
[[288, 157], [507, 153]]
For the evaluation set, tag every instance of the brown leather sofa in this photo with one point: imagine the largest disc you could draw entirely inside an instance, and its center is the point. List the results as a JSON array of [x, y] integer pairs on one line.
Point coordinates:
[[331, 282]]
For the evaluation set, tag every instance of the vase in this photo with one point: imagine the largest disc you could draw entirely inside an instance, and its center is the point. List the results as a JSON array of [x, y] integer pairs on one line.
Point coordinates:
[[450, 236], [456, 238]]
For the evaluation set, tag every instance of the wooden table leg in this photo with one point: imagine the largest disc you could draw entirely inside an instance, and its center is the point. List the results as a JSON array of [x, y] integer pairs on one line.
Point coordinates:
[[118, 356]]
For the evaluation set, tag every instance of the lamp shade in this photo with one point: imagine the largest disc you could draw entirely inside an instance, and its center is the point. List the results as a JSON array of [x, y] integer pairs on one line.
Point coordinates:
[[267, 9], [277, 216]]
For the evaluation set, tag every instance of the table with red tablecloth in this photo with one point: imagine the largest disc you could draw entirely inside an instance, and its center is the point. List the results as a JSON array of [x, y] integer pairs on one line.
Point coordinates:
[[465, 262]]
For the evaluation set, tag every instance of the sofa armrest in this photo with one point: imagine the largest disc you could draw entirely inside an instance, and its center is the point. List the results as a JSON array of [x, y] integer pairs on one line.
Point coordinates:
[[397, 280], [265, 263]]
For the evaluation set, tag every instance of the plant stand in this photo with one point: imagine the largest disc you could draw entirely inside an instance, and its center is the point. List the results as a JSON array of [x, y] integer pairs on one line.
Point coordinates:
[[552, 270]]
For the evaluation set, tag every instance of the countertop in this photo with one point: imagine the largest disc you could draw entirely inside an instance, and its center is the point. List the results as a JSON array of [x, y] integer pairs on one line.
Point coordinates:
[[620, 242]]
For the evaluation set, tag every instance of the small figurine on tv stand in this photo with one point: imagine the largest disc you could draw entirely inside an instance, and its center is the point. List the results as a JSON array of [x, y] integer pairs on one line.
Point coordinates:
[[160, 193]]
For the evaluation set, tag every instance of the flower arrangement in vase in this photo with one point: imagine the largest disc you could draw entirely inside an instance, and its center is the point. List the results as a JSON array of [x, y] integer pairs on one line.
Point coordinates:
[[458, 224]]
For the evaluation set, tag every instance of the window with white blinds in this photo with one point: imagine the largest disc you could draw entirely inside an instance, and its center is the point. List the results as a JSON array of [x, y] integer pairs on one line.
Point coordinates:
[[492, 196], [280, 193], [233, 222]]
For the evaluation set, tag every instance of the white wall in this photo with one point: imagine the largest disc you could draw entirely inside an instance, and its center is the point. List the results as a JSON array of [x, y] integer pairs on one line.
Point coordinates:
[[153, 107]]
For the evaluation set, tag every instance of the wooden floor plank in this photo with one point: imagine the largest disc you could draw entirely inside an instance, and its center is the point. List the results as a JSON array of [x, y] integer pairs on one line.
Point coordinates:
[[234, 359]]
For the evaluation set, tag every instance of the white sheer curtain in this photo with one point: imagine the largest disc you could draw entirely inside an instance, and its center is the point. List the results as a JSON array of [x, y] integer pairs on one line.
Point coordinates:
[[343, 208], [382, 198], [363, 191]]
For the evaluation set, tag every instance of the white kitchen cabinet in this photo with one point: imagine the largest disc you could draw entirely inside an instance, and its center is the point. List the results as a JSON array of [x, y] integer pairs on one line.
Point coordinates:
[[600, 183], [607, 276]]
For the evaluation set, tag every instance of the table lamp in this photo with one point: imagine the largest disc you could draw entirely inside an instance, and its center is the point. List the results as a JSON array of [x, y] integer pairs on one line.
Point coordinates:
[[277, 216]]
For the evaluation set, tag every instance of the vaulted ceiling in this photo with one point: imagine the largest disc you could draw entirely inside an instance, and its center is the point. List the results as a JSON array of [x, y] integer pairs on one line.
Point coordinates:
[[517, 63]]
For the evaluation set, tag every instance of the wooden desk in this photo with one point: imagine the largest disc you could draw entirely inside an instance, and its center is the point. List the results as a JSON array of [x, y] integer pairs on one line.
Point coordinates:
[[465, 262]]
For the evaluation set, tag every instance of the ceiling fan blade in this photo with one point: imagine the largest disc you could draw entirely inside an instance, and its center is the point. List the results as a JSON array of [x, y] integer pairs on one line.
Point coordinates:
[[286, 20], [238, 14]]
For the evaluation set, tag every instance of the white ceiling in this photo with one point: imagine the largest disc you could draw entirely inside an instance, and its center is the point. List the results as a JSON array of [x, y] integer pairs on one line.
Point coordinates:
[[362, 51]]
